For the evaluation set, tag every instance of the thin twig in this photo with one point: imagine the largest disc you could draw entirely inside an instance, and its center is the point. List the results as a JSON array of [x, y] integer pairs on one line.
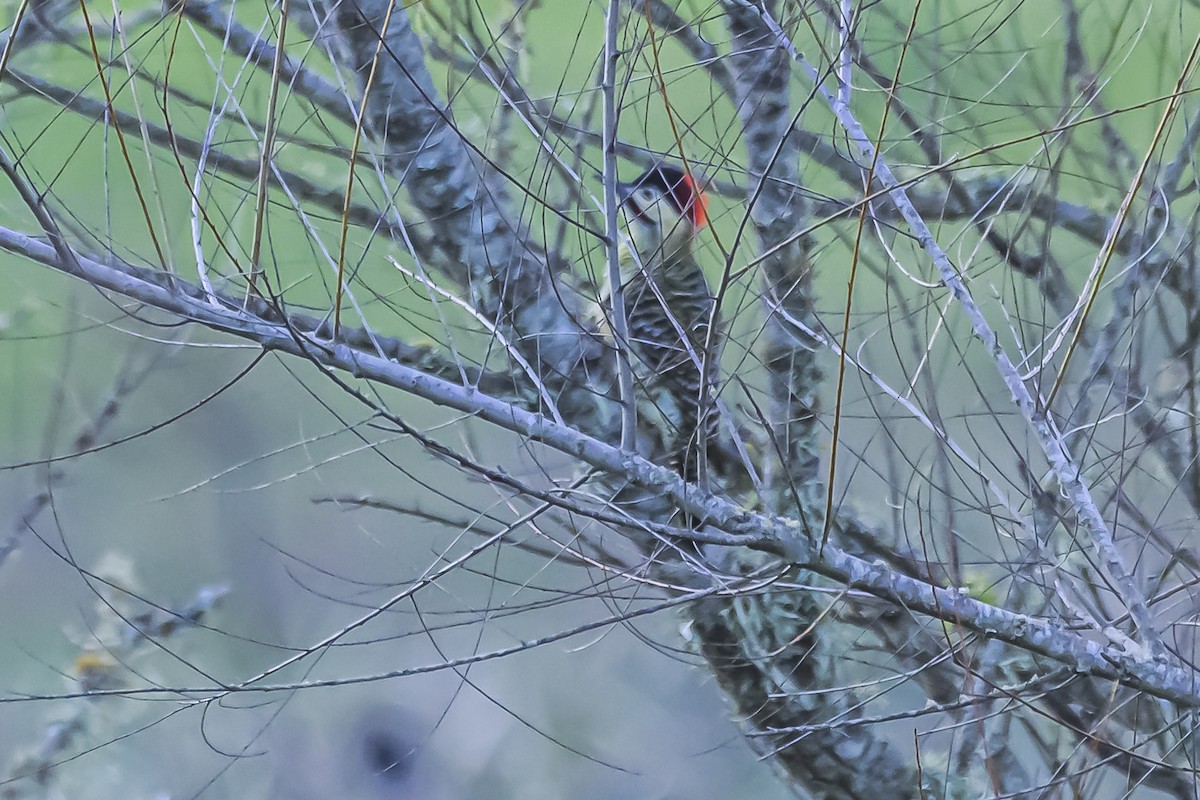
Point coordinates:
[[267, 155], [1043, 426], [620, 326], [729, 523]]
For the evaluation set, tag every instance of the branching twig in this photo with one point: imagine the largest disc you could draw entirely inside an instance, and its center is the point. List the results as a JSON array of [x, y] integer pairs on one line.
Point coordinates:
[[1052, 443], [779, 536]]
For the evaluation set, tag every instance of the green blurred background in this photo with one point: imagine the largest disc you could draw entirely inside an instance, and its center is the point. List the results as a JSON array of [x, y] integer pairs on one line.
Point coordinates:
[[225, 494]]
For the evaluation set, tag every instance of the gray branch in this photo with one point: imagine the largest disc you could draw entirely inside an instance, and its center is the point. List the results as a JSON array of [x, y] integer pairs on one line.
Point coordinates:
[[733, 525], [1051, 441], [777, 209], [506, 274]]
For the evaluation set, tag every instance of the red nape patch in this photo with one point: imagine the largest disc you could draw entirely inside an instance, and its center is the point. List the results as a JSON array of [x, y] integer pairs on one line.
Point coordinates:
[[699, 203]]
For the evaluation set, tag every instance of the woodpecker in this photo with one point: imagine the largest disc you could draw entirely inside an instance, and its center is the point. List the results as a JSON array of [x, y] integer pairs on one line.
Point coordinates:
[[668, 308]]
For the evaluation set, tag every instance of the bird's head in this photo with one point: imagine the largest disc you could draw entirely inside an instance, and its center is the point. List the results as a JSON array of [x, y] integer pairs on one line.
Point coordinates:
[[665, 209]]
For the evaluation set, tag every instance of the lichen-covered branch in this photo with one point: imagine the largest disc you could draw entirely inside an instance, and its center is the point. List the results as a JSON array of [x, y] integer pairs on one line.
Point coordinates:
[[776, 206], [504, 270]]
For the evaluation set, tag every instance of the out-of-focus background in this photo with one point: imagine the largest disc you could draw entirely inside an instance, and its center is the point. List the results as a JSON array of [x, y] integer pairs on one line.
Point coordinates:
[[226, 497], [227, 493], [257, 493]]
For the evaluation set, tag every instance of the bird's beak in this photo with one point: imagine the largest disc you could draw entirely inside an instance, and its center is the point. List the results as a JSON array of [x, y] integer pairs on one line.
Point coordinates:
[[625, 200]]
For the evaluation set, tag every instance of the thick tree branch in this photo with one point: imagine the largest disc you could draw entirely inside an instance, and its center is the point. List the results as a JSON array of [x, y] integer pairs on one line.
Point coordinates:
[[788, 539], [1048, 436], [775, 204], [507, 275]]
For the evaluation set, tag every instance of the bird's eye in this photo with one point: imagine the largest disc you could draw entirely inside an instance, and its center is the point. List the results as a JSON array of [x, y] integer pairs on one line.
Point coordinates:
[[646, 197]]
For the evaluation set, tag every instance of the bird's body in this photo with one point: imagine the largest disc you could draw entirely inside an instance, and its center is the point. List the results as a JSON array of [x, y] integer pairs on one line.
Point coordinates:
[[669, 311]]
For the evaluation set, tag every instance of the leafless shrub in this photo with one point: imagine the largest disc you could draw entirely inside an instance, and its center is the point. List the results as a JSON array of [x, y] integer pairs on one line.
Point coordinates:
[[953, 251]]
